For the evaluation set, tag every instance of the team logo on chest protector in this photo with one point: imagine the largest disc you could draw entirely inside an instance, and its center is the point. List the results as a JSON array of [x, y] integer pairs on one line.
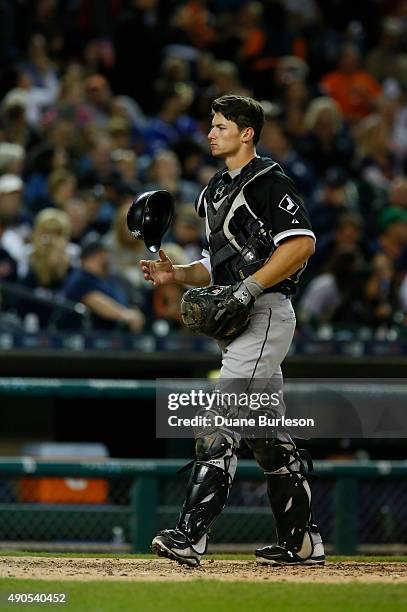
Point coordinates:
[[219, 192]]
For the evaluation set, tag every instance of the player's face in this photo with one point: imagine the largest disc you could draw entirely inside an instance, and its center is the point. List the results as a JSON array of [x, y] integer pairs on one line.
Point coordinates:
[[224, 137]]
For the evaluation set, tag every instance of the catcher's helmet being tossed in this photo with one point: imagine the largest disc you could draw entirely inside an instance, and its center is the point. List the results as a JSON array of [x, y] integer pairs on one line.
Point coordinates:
[[149, 217]]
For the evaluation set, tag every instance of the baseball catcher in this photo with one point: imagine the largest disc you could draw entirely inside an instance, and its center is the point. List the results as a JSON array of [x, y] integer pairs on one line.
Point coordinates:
[[259, 239]]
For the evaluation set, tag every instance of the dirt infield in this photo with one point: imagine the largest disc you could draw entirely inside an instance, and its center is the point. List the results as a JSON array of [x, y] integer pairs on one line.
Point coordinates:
[[62, 568]]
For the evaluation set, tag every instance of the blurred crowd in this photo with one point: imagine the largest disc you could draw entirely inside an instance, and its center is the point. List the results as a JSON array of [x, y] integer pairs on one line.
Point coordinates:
[[100, 101]]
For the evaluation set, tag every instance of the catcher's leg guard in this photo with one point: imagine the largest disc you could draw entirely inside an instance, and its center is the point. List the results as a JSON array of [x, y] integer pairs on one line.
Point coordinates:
[[206, 496], [299, 541]]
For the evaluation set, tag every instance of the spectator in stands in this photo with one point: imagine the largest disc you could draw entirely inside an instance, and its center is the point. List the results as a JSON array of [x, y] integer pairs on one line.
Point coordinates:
[[332, 291], [388, 60], [39, 65], [276, 142], [8, 265], [71, 99], [99, 211], [76, 210], [8, 274], [173, 70], [49, 257], [335, 196], [375, 160], [99, 99], [204, 67], [119, 191], [61, 187], [188, 232], [191, 155], [292, 91], [43, 160], [326, 142], [96, 165], [347, 233], [16, 225], [48, 269], [352, 87], [398, 192], [50, 225], [173, 121], [226, 79], [392, 239], [125, 162], [39, 99], [389, 111], [14, 126], [63, 135], [119, 130], [381, 292], [98, 54], [165, 173], [11, 158], [49, 262], [91, 285], [203, 79], [127, 110]]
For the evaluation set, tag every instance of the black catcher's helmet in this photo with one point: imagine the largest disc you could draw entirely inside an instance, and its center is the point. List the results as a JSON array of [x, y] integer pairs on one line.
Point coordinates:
[[149, 217]]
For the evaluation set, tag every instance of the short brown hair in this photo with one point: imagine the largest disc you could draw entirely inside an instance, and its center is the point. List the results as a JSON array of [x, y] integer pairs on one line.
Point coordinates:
[[244, 111]]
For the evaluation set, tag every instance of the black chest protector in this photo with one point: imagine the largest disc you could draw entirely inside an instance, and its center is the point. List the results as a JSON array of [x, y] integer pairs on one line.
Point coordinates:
[[239, 240]]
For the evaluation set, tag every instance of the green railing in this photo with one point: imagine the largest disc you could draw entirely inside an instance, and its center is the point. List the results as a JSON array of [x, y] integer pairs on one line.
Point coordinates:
[[144, 510], [77, 387]]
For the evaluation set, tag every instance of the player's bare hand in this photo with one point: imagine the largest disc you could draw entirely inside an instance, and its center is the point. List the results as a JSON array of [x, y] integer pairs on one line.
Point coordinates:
[[160, 272]]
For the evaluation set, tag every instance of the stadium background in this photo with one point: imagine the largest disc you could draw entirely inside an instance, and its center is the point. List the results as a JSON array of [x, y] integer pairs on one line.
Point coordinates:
[[103, 100]]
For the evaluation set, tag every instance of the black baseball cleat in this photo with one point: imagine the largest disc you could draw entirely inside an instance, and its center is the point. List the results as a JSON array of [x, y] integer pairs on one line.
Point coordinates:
[[279, 555], [174, 544], [312, 551]]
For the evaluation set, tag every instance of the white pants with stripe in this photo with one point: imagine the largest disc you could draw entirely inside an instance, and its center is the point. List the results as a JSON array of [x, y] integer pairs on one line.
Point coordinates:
[[257, 354]]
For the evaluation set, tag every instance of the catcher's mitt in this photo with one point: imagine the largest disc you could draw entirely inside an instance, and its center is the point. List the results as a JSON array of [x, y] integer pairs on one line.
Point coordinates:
[[215, 311]]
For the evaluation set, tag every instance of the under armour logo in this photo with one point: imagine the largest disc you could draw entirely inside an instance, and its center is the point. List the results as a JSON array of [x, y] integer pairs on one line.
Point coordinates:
[[243, 297], [250, 256]]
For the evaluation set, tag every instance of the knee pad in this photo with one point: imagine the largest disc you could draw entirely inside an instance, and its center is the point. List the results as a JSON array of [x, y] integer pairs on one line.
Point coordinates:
[[275, 456], [219, 450]]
